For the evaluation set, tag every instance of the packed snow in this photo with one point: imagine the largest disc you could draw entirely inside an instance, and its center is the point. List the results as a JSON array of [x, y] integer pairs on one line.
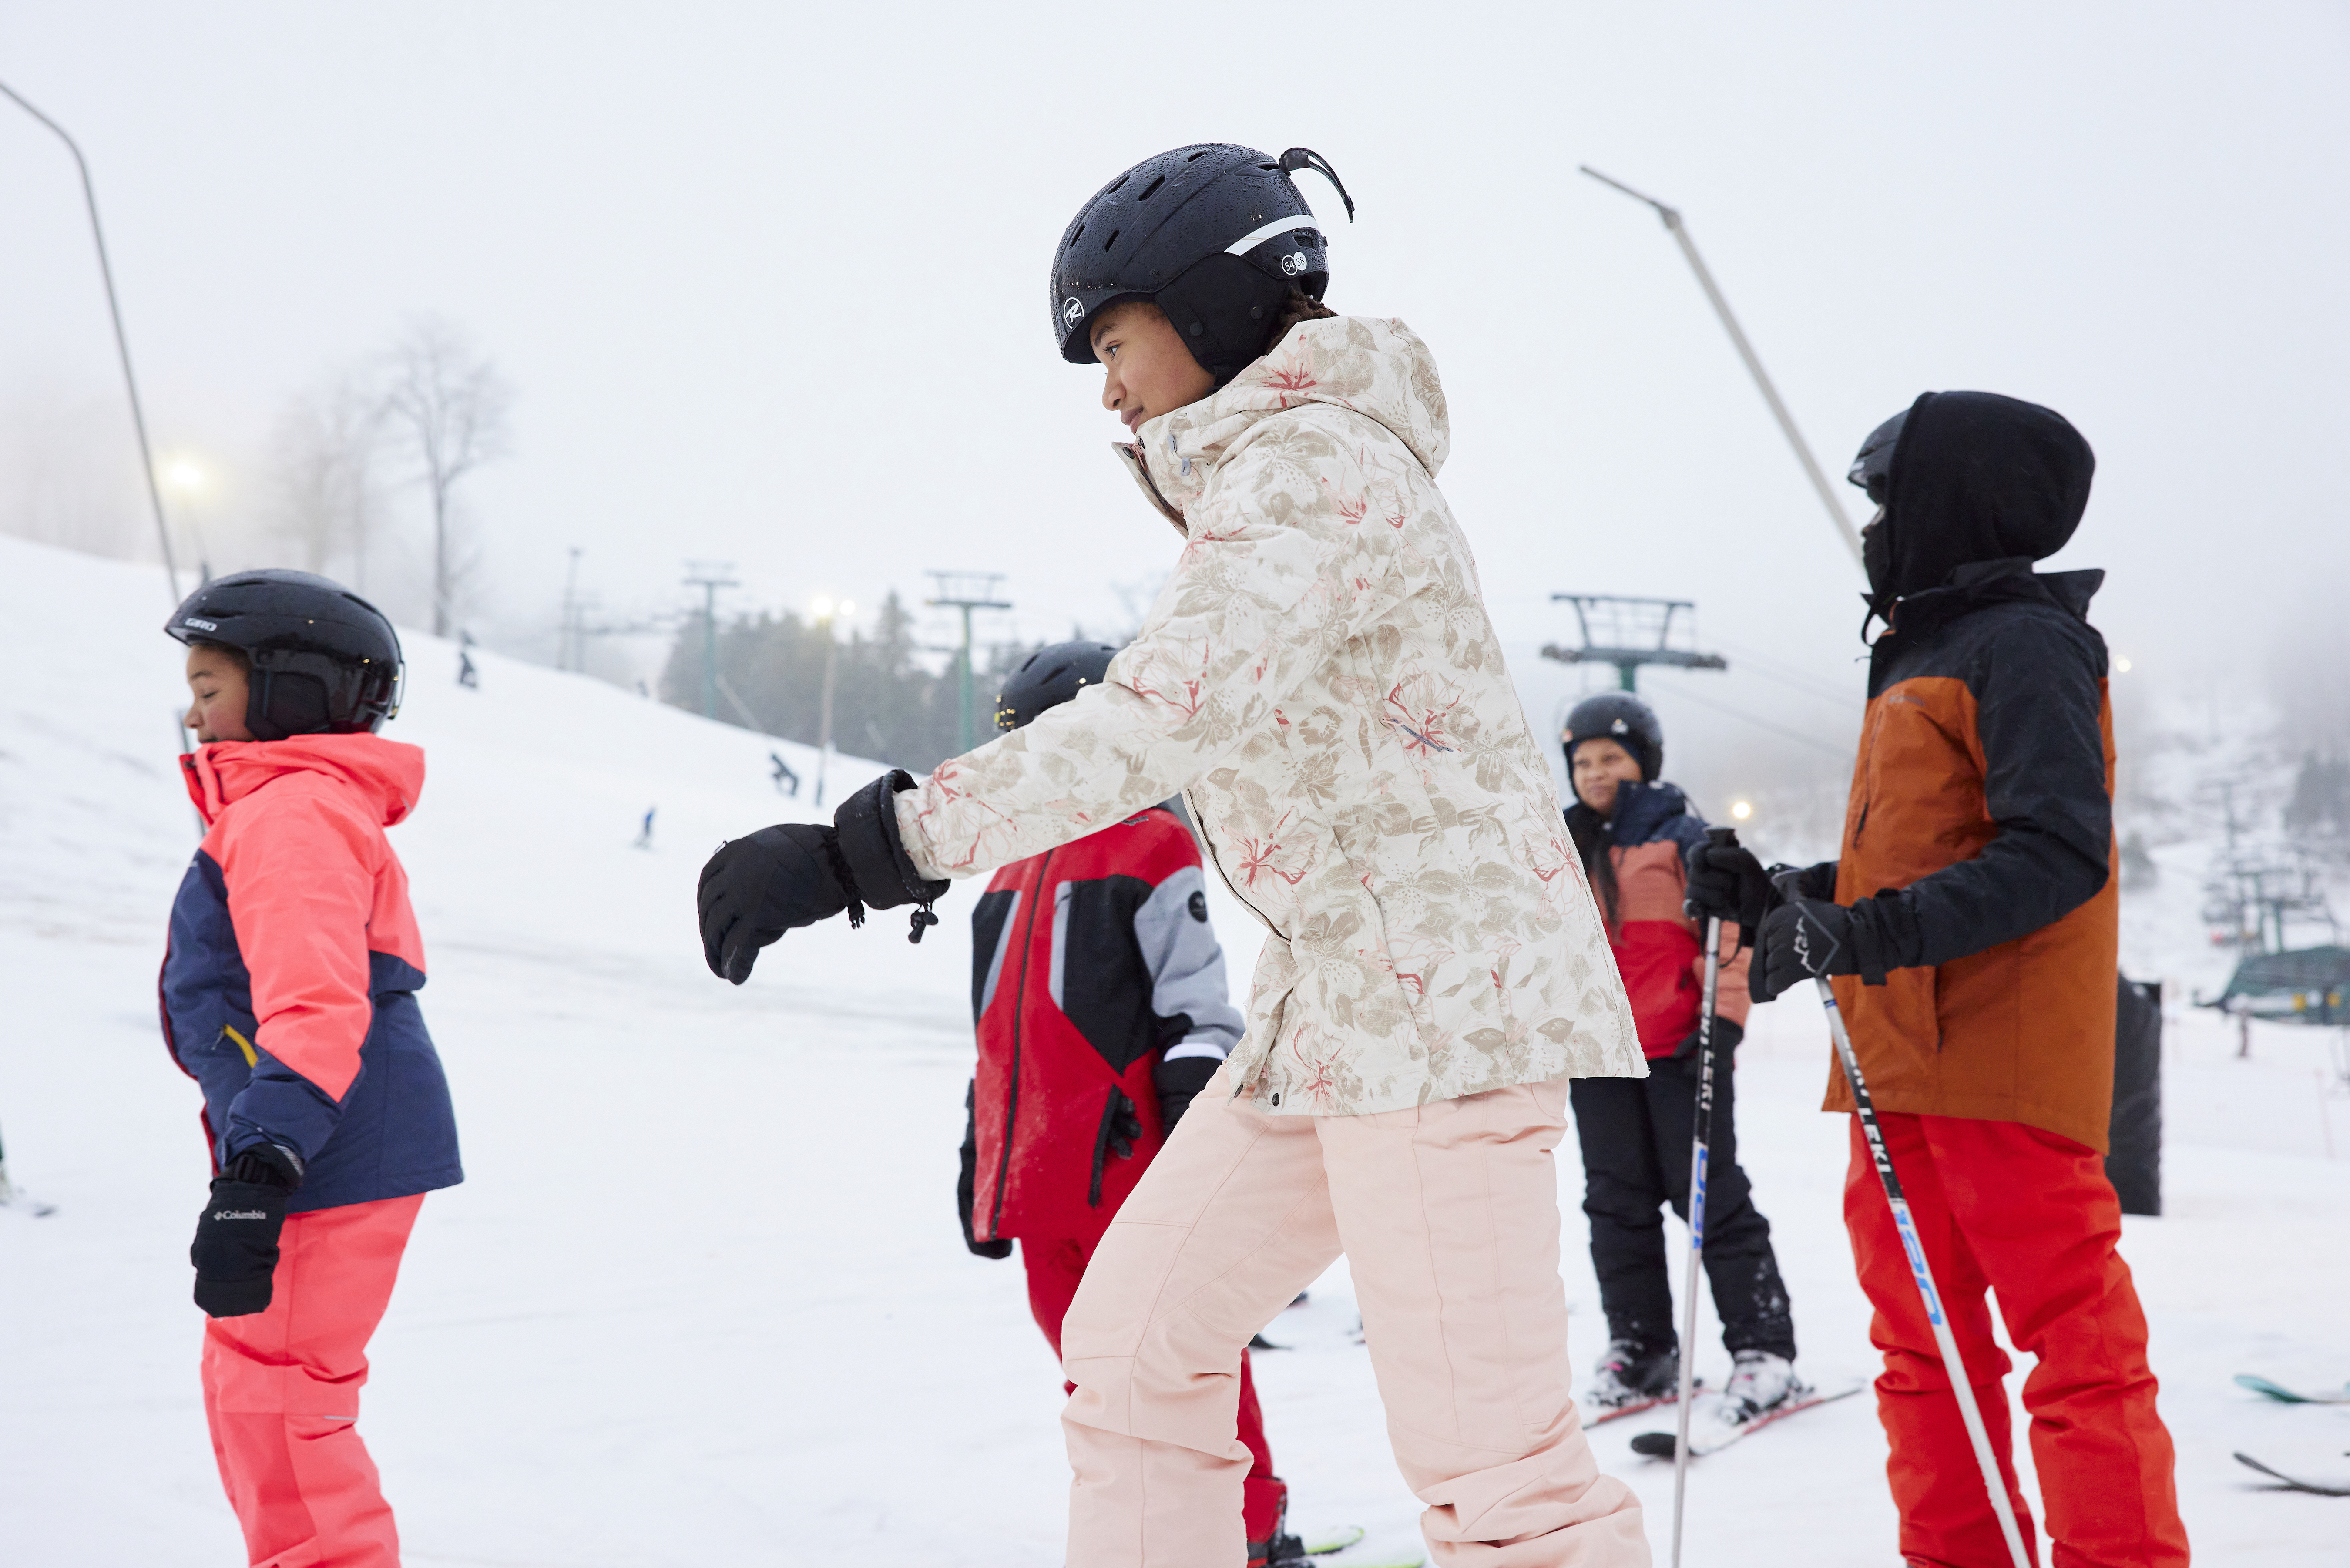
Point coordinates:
[[703, 1299]]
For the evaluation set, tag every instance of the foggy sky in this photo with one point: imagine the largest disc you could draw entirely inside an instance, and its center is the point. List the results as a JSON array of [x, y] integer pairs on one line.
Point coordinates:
[[764, 281]]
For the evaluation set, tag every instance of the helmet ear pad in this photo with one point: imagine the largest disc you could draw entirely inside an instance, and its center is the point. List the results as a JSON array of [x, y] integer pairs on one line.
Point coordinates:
[[1223, 310], [296, 691]]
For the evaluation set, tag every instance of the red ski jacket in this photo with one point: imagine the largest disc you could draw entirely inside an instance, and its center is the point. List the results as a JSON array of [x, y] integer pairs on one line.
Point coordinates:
[[1090, 964]]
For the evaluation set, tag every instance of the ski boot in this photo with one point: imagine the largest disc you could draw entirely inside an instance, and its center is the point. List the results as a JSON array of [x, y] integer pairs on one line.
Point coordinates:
[[1761, 1383], [1631, 1375]]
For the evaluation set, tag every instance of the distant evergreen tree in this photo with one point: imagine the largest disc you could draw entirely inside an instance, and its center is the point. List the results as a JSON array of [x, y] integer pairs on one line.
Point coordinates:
[[886, 702], [2321, 796]]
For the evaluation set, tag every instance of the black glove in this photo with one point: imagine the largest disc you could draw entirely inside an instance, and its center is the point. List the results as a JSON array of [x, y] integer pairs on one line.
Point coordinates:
[[235, 1251], [884, 875], [1177, 1083], [1801, 940], [1000, 1248], [1727, 883], [1727, 1034], [757, 889]]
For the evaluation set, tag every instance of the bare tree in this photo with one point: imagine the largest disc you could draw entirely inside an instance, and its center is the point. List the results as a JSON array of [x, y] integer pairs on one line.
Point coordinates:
[[326, 453], [448, 405]]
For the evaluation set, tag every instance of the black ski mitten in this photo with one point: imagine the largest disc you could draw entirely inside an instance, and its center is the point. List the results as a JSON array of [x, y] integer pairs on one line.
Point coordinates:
[[998, 1249], [1179, 1083], [884, 874], [1802, 940], [1727, 883], [235, 1249], [757, 889], [1727, 1034]]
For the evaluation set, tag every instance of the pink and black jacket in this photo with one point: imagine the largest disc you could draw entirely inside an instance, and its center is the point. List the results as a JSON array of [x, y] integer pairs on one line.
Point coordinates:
[[1091, 964], [289, 984]]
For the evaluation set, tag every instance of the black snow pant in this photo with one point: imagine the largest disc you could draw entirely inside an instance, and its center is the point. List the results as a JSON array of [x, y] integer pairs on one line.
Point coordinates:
[[1636, 1135]]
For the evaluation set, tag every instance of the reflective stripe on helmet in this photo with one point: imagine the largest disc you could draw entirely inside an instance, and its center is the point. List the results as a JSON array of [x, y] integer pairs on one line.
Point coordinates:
[[1257, 236]]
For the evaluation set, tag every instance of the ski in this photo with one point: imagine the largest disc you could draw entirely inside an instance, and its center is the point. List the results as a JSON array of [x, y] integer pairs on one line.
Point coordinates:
[[2259, 1384], [2323, 1489], [1601, 1417], [1336, 1538], [1710, 1434]]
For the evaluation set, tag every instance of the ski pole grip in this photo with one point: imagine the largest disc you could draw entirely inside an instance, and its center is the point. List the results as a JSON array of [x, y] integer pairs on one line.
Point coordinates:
[[1721, 838]]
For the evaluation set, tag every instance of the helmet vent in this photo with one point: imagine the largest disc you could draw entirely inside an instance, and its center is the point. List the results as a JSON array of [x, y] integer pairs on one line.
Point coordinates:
[[1121, 180], [1078, 236], [1152, 189], [1111, 241], [1196, 156]]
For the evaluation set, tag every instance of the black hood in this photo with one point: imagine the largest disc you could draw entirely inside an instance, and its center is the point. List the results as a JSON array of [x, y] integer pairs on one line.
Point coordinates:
[[1977, 477]]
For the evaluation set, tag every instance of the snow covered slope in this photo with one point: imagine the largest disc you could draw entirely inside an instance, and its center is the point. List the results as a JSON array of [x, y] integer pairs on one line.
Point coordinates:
[[703, 1299]]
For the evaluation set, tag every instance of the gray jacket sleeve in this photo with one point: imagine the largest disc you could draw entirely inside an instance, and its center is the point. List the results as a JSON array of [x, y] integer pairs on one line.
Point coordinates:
[[1187, 968]]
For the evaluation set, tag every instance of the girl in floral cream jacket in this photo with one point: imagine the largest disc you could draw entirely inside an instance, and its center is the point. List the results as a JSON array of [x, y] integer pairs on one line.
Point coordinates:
[[1320, 680]]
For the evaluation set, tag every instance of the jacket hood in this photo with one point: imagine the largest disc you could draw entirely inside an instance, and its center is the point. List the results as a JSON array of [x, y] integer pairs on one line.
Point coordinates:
[[1976, 478], [387, 774], [1375, 367]]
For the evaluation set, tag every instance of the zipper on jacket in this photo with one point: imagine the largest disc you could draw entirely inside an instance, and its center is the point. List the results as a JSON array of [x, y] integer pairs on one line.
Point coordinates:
[[1217, 860], [1019, 1006], [1118, 1101], [1867, 763]]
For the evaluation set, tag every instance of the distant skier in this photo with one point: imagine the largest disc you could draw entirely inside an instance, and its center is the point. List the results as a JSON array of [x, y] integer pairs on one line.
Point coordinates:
[[1098, 989], [645, 832], [289, 995], [1320, 677], [1633, 830], [786, 782], [1970, 924], [467, 676]]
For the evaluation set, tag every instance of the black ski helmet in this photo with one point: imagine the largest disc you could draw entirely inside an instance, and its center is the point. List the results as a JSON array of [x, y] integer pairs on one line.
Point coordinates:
[[1620, 717], [1214, 235], [1872, 466], [325, 661], [1048, 678]]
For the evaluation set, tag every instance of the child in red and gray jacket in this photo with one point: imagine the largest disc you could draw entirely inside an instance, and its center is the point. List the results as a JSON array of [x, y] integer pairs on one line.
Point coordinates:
[[1098, 989], [289, 994]]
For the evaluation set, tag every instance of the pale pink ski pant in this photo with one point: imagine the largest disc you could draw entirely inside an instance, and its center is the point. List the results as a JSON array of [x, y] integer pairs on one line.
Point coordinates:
[[1448, 1216], [282, 1393]]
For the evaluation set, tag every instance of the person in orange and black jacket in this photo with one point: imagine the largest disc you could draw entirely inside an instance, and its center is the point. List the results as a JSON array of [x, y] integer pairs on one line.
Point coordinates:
[[1633, 830], [1968, 925], [1098, 995]]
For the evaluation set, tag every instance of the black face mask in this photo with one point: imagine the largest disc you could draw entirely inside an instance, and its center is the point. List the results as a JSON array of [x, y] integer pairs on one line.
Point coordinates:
[[1877, 559]]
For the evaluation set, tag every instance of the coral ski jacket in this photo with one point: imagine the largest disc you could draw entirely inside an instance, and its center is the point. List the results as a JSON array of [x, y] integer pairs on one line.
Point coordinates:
[[289, 984], [1318, 676], [1658, 948], [1090, 964]]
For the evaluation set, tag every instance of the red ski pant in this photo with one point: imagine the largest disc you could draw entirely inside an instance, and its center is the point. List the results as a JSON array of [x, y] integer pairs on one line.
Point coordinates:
[[282, 1393], [2008, 1207], [1053, 1270]]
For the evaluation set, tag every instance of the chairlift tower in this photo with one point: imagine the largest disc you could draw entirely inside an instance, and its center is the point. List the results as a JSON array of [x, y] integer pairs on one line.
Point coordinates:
[[710, 576], [965, 591], [1628, 632]]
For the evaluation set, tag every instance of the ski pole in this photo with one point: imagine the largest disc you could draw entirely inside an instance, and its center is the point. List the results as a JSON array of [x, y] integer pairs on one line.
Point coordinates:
[[1944, 1340], [1703, 1135]]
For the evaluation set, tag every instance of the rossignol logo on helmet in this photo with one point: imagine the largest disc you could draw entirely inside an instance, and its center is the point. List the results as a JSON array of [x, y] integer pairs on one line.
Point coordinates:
[[201, 624], [1073, 310], [1292, 263]]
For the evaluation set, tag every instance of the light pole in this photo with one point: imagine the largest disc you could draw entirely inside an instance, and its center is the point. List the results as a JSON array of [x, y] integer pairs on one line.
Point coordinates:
[[1673, 224], [122, 342], [823, 609], [187, 479]]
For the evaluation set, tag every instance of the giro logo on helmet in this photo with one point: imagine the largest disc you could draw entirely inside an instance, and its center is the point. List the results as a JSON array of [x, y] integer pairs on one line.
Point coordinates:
[[1071, 309], [201, 624], [1292, 263]]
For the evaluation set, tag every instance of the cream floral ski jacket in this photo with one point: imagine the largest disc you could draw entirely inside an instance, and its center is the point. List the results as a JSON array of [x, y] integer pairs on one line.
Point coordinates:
[[1320, 678]]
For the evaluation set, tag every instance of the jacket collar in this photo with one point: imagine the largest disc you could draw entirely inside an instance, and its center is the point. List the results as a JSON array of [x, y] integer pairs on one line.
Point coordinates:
[[1377, 368], [387, 775], [1980, 583]]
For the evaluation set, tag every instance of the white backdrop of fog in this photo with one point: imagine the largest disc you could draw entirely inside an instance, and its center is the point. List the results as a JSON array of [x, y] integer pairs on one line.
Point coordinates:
[[763, 281]]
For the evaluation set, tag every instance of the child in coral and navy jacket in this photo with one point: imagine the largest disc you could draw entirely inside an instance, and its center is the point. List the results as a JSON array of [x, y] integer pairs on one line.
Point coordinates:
[[1097, 990], [289, 994]]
